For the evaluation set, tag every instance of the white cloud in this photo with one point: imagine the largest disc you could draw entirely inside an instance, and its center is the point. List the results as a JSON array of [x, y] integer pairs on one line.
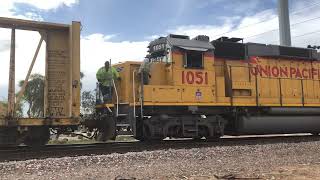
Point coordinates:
[[97, 48], [250, 28], [26, 41], [47, 4], [7, 7]]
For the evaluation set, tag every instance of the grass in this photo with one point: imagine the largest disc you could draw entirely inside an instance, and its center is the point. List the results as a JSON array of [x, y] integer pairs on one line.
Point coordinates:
[[81, 140]]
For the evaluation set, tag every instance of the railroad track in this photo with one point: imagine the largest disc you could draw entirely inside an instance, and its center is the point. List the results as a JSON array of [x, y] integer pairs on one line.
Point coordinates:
[[51, 151]]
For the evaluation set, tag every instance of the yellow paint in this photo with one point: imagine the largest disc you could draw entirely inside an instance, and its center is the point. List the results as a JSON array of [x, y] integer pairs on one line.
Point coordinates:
[[105, 106], [229, 82]]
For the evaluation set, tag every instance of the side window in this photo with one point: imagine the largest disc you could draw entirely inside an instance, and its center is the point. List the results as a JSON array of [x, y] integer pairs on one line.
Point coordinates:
[[193, 59], [168, 56]]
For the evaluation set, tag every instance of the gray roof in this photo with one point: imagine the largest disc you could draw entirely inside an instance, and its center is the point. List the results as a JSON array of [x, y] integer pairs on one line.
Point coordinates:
[[187, 43]]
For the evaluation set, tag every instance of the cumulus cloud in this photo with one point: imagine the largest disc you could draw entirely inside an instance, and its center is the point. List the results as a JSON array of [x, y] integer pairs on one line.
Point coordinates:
[[47, 4], [8, 8], [97, 48]]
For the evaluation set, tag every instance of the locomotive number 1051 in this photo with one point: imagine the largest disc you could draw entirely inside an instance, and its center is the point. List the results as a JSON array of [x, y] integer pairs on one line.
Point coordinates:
[[194, 77]]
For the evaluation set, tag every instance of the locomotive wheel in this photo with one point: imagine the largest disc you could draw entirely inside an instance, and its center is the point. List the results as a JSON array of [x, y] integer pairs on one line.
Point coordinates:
[[9, 137], [107, 131], [37, 136]]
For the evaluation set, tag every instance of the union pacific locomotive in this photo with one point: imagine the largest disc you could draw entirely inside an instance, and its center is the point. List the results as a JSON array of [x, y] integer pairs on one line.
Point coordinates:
[[196, 88]]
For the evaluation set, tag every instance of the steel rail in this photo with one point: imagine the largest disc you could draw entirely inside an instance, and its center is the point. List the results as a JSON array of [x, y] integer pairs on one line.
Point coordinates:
[[55, 151]]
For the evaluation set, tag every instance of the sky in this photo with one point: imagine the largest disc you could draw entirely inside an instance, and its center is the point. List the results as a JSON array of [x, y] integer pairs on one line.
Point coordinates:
[[121, 29]]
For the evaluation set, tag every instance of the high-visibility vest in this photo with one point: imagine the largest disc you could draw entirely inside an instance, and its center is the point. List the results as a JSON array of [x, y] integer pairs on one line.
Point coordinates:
[[105, 77]]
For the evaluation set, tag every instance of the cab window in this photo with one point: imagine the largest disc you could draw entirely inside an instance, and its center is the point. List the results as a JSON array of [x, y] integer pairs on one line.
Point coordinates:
[[193, 59]]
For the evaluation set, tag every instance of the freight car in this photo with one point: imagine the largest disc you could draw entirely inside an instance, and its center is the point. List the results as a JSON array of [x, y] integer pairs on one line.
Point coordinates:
[[62, 84], [196, 88]]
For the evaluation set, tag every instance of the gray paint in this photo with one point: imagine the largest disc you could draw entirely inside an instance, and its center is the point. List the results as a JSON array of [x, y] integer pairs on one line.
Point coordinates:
[[284, 23], [278, 124], [189, 43]]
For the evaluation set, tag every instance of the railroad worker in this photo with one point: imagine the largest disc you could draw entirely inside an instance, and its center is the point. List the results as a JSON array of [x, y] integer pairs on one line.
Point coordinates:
[[104, 76]]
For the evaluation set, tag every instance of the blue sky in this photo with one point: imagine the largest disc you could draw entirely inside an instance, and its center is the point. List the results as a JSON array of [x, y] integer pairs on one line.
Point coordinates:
[[122, 29], [135, 20]]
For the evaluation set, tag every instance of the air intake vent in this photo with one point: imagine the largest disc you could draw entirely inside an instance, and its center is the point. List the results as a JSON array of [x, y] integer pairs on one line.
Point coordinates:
[[202, 38], [295, 52], [179, 36]]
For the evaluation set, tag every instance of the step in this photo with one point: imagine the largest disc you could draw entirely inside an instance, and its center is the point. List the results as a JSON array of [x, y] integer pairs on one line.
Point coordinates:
[[190, 130], [124, 133], [123, 125]]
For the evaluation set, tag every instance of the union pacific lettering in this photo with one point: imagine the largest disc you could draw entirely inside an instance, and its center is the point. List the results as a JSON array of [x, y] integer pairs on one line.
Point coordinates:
[[285, 72]]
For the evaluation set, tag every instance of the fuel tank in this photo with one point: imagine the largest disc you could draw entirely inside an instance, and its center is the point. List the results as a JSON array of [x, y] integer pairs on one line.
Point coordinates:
[[281, 121], [293, 111]]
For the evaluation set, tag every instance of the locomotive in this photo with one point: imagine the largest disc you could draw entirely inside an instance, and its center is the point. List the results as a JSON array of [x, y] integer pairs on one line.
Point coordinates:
[[195, 88]]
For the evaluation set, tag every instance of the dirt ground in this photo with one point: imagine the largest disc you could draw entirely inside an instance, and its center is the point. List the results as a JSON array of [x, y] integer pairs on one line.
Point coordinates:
[[281, 160]]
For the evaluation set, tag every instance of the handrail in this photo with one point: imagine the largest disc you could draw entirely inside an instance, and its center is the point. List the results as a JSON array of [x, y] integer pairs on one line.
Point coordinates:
[[134, 94], [141, 96], [115, 89]]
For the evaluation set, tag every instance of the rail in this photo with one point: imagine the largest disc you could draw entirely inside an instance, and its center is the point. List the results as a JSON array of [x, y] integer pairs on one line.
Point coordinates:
[[51, 151]]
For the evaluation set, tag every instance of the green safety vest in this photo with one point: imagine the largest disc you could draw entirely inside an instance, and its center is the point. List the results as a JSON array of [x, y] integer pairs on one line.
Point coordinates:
[[105, 77]]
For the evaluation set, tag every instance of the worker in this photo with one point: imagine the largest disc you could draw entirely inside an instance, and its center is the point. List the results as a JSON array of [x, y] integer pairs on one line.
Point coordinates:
[[104, 76]]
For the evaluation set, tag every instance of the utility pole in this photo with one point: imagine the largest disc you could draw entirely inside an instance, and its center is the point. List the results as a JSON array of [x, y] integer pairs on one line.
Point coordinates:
[[284, 23]]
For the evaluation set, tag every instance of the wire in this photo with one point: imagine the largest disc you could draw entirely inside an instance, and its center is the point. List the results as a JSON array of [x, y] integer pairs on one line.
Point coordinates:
[[306, 34], [301, 35], [278, 28], [295, 12]]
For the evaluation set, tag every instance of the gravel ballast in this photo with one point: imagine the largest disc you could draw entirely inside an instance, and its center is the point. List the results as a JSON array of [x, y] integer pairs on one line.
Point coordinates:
[[271, 160]]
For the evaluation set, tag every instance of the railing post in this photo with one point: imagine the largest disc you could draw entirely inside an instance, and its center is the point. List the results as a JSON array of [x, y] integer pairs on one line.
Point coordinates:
[[134, 94], [117, 97], [280, 94], [302, 92], [11, 88], [141, 96], [256, 83], [231, 90]]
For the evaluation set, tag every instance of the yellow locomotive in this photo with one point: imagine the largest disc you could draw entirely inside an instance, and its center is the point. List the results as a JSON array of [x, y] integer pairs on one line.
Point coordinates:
[[197, 88]]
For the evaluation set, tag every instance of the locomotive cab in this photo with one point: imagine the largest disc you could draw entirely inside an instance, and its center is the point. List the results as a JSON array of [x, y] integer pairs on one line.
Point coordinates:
[[187, 74]]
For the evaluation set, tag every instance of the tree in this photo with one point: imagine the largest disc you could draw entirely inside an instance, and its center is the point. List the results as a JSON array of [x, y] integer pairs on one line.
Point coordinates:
[[4, 106], [88, 102], [34, 95], [81, 77]]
